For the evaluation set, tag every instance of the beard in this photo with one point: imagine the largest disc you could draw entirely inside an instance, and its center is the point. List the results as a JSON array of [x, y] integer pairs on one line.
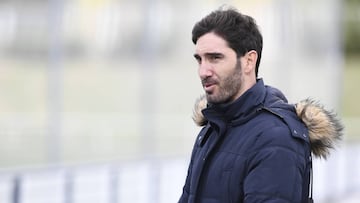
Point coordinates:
[[228, 87]]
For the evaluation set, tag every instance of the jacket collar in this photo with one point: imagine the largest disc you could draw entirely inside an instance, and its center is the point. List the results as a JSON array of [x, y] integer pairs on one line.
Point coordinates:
[[324, 126], [239, 110]]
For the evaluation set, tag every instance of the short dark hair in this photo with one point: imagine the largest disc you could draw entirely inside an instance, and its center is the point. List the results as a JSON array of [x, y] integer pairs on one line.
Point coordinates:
[[240, 31]]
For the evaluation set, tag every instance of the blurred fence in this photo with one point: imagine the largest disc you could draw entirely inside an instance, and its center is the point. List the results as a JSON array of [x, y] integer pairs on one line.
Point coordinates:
[[145, 181], [156, 181]]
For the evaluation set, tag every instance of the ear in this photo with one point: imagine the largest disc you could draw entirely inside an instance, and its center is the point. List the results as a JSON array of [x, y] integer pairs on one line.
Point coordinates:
[[249, 61]]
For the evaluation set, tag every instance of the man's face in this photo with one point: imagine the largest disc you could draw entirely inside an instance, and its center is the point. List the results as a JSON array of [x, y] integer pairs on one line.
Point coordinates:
[[219, 69]]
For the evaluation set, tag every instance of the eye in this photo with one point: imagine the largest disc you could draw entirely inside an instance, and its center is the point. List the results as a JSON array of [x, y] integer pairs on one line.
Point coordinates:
[[198, 58], [215, 57]]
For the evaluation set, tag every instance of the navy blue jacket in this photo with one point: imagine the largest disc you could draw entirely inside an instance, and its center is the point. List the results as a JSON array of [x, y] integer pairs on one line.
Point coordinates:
[[254, 149]]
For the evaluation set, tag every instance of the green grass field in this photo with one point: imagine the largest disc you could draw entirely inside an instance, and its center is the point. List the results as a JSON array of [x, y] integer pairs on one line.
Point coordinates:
[[102, 111], [351, 96], [351, 87]]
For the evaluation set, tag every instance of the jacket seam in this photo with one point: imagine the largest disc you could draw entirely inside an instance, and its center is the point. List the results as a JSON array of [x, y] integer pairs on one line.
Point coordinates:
[[269, 195], [246, 153]]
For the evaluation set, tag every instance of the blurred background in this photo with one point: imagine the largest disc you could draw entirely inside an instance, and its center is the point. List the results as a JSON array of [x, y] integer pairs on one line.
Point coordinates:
[[96, 96]]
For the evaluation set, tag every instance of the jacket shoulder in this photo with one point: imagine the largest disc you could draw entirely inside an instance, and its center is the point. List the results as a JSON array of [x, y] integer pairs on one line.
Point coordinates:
[[281, 128], [287, 114]]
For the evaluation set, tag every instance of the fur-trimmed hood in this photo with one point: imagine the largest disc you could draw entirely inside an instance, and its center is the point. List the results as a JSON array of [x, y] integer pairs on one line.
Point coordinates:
[[325, 129]]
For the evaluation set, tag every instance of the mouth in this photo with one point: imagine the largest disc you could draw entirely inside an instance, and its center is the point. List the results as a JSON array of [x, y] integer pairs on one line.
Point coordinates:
[[209, 86]]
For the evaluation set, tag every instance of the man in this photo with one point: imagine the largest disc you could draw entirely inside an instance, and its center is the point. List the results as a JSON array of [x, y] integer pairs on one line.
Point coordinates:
[[254, 146]]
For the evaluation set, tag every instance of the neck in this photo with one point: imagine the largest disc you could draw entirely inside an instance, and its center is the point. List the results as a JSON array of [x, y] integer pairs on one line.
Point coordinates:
[[246, 84]]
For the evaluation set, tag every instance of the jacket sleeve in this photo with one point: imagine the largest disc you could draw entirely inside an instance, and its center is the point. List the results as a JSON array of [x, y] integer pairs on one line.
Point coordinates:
[[184, 198], [276, 170], [185, 194]]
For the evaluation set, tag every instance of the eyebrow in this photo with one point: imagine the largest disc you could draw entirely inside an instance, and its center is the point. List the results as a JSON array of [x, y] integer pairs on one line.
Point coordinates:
[[210, 54], [197, 56]]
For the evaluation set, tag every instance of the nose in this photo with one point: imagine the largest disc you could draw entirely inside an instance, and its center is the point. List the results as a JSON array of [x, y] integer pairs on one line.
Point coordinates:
[[205, 70]]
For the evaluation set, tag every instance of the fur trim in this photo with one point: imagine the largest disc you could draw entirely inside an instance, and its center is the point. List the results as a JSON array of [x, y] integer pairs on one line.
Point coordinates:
[[325, 129], [198, 117]]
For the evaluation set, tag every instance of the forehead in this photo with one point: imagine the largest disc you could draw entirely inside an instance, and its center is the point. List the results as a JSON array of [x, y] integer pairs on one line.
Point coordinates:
[[210, 42]]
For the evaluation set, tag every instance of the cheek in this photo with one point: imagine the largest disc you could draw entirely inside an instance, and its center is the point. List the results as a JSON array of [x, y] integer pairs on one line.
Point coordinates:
[[227, 70]]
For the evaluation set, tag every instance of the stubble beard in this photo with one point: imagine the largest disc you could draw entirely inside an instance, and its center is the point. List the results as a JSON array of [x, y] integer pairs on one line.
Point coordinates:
[[228, 87]]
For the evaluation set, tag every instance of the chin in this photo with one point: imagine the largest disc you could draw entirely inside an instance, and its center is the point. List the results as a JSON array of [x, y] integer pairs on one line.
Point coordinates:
[[219, 99], [214, 100]]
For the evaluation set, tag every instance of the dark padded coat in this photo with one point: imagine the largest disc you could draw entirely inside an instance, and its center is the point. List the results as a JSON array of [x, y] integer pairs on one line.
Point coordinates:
[[256, 149]]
